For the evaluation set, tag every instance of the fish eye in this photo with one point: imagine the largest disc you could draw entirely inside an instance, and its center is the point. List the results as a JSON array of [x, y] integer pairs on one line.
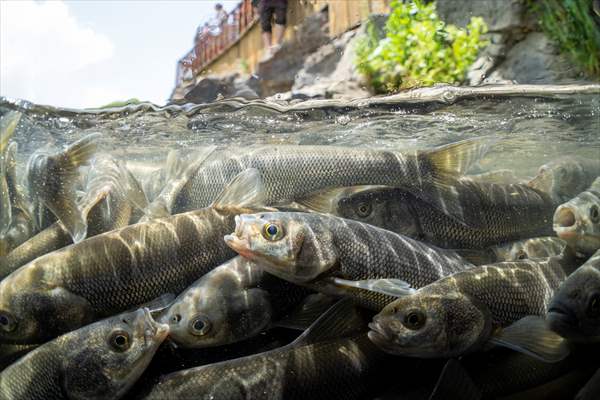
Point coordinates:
[[593, 309], [594, 214], [200, 326], [120, 341], [7, 322], [521, 255], [272, 231], [364, 209], [414, 320]]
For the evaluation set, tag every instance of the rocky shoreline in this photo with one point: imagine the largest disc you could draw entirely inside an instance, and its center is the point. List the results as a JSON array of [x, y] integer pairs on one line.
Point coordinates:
[[316, 67]]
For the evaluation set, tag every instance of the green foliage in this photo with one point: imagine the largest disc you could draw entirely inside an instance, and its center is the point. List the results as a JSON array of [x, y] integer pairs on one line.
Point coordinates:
[[418, 49], [570, 23]]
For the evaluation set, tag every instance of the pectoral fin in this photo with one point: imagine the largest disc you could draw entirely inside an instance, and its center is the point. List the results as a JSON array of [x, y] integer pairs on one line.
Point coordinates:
[[531, 336], [390, 287]]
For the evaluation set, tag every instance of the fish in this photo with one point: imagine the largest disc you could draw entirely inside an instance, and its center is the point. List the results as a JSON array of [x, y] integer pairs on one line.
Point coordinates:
[[492, 214], [100, 361], [177, 174], [565, 177], [8, 124], [51, 178], [10, 353], [539, 247], [500, 176], [575, 310], [500, 304], [292, 172], [106, 205], [578, 220], [21, 225], [338, 256], [332, 359], [117, 270], [233, 302]]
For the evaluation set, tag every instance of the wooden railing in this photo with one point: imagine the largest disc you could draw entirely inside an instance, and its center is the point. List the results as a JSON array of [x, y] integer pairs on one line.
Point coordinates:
[[210, 45]]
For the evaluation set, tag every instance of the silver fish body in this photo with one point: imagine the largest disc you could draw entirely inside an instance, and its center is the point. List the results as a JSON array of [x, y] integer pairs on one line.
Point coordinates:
[[234, 301], [290, 173], [312, 249], [463, 312], [492, 214], [51, 179], [105, 207], [100, 361], [334, 364], [111, 272]]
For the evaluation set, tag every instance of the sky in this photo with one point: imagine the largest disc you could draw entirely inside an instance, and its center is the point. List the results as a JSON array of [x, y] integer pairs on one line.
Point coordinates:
[[86, 53]]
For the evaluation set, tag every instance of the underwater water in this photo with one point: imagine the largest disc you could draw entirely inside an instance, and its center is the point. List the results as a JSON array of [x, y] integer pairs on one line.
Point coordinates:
[[526, 126]]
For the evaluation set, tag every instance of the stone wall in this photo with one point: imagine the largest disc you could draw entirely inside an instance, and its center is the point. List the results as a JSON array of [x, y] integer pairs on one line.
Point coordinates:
[[518, 51]]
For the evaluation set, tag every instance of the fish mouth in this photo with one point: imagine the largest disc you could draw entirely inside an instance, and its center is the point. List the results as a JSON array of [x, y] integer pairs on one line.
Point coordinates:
[[240, 246], [154, 330], [379, 335]]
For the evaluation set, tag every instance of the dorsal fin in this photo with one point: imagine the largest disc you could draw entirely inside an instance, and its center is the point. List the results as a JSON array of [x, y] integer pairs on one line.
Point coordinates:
[[246, 190], [339, 320]]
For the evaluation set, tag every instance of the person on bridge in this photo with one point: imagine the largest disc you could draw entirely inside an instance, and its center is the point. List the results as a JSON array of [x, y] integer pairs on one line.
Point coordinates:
[[268, 8]]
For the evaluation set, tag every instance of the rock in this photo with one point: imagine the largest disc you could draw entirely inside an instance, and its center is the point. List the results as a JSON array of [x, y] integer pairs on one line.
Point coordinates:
[[277, 74], [208, 89], [534, 60], [331, 72], [499, 15], [216, 87]]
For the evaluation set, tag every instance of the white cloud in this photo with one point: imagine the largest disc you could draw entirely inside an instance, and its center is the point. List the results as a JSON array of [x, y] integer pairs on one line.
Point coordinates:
[[44, 54]]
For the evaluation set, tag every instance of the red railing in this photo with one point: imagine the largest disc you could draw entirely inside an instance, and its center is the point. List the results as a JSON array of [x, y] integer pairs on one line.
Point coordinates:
[[210, 45]]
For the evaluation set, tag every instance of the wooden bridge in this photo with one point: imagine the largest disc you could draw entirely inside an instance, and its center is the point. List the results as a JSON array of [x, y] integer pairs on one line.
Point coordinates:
[[238, 44]]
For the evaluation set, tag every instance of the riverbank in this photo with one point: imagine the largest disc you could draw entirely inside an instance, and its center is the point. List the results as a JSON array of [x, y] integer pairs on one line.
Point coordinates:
[[314, 66]]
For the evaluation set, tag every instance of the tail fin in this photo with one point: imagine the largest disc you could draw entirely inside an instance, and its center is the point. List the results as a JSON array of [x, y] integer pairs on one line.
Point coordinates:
[[64, 169]]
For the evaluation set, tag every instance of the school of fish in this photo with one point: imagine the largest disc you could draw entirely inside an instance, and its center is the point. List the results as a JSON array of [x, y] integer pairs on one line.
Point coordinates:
[[295, 272]]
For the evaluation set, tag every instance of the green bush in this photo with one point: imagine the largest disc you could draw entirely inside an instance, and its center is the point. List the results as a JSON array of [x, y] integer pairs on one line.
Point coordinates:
[[571, 25], [418, 49]]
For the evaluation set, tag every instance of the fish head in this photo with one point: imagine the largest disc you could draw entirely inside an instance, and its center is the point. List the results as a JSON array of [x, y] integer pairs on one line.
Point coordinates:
[[293, 246], [510, 251], [33, 312], [429, 325], [380, 206], [103, 360], [578, 222], [574, 312], [561, 179], [213, 315]]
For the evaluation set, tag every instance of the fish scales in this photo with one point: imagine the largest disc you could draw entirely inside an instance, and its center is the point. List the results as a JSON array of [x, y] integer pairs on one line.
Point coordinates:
[[325, 247], [290, 172], [510, 290], [138, 263], [339, 368], [492, 214]]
